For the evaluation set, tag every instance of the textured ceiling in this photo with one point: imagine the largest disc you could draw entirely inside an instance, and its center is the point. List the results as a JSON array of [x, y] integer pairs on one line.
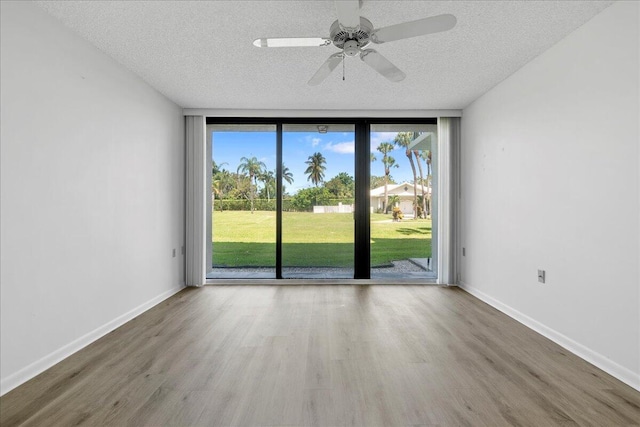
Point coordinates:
[[200, 54]]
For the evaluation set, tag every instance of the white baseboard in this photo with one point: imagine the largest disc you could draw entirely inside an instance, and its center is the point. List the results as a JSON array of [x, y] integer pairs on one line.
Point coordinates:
[[625, 375], [25, 374]]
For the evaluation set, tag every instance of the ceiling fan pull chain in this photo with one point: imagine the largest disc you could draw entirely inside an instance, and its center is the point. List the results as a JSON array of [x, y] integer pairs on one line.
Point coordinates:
[[342, 67]]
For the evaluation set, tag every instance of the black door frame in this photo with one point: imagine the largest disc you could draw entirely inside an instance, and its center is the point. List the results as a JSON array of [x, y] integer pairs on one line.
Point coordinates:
[[362, 213]]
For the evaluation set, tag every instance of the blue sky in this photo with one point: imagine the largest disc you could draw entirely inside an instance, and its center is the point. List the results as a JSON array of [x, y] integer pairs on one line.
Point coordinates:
[[336, 147]]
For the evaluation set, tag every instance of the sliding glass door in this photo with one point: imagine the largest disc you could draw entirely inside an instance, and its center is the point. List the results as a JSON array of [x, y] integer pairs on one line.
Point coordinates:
[[318, 200], [342, 198], [402, 200], [243, 201]]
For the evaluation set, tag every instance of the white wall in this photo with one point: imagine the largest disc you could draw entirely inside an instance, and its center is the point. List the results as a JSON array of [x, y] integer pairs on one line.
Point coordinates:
[[92, 176], [550, 163]]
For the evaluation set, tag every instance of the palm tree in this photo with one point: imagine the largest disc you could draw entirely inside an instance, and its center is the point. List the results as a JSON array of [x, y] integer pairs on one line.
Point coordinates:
[[254, 168], [393, 199], [287, 175], [269, 180], [403, 139], [426, 156], [216, 190], [215, 168], [316, 168], [221, 183], [388, 163], [416, 153]]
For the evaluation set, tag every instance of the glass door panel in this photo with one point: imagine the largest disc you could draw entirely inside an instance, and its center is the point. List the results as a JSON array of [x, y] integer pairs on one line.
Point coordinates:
[[318, 201], [243, 201], [402, 200]]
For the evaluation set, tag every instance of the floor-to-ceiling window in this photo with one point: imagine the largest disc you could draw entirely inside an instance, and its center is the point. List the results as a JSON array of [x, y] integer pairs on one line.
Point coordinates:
[[318, 200], [243, 200], [330, 198], [402, 200]]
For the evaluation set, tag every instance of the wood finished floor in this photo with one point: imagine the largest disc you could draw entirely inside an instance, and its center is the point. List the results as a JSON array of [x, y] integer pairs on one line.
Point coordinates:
[[323, 356]]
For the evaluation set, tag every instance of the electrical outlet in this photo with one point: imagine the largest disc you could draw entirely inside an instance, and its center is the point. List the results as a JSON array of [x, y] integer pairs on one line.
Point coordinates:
[[173, 253], [541, 276]]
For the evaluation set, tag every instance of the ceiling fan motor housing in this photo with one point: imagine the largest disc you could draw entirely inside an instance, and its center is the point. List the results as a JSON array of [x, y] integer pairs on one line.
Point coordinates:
[[351, 42]]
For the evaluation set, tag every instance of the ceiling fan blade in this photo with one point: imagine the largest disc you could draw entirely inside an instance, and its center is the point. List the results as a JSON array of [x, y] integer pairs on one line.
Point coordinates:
[[348, 12], [382, 65], [291, 42], [323, 72], [432, 24]]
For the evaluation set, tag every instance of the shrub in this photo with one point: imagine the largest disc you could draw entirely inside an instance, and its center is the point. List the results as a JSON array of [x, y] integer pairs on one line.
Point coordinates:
[[397, 214]]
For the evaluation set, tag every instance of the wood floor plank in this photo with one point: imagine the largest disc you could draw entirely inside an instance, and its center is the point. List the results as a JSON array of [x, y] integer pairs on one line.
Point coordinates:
[[322, 356]]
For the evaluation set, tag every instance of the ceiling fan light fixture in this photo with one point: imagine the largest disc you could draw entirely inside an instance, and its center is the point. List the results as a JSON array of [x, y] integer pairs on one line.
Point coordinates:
[[351, 48], [323, 128]]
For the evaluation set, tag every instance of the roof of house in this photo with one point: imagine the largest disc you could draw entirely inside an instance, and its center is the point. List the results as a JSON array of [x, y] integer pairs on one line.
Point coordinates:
[[392, 189]]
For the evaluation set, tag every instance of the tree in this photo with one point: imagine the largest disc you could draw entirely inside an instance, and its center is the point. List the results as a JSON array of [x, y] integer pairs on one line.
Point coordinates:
[[305, 199], [342, 186], [394, 199], [388, 163], [215, 168], [378, 181], [426, 156], [221, 183], [416, 153], [269, 180], [403, 139], [286, 174], [316, 167], [241, 188], [253, 167]]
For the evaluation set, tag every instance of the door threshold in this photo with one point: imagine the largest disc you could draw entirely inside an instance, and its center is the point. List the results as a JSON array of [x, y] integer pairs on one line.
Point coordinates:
[[326, 282]]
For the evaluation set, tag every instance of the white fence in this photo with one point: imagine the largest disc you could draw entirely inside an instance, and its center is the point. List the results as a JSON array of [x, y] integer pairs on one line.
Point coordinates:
[[333, 209]]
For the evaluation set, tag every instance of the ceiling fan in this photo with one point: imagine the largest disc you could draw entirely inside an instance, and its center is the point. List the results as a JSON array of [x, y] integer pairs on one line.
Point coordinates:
[[352, 33]]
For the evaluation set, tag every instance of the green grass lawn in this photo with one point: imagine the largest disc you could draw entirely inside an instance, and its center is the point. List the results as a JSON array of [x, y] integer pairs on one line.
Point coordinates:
[[243, 239]]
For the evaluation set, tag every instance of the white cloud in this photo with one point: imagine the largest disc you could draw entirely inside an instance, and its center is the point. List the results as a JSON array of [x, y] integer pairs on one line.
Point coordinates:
[[347, 147], [315, 141]]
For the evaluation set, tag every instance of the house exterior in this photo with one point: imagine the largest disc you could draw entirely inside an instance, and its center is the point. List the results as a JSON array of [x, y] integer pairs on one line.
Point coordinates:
[[404, 192]]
